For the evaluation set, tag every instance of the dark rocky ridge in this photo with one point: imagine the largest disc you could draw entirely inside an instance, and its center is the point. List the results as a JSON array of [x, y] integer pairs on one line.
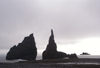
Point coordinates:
[[51, 50], [26, 50]]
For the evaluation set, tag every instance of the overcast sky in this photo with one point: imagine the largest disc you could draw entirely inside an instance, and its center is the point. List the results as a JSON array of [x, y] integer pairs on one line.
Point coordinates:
[[72, 21]]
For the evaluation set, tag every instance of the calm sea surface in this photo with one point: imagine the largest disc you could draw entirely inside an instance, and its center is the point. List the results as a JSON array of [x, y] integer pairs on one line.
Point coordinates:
[[2, 57]]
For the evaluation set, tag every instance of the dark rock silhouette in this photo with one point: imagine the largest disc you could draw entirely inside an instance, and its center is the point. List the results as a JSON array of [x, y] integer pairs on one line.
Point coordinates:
[[85, 53], [51, 50], [26, 50], [72, 56]]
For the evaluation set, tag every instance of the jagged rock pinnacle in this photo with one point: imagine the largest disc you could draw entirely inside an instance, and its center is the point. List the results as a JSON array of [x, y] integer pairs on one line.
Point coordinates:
[[51, 50], [31, 35], [51, 39], [52, 35], [26, 50]]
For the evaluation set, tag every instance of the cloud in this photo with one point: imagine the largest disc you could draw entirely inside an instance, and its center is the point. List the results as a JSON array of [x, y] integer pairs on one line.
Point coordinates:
[[70, 19]]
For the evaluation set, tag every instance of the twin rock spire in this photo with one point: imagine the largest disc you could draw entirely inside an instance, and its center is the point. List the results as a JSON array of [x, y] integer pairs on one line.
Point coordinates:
[[27, 50]]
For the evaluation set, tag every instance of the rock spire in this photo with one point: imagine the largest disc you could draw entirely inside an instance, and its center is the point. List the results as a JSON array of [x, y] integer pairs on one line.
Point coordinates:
[[51, 49]]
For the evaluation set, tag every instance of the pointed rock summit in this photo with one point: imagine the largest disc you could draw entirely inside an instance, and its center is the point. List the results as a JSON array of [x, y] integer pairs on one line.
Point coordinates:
[[26, 50], [52, 45], [51, 50]]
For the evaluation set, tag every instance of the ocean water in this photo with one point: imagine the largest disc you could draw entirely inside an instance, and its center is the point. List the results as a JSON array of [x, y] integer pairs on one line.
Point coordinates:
[[89, 56], [39, 57]]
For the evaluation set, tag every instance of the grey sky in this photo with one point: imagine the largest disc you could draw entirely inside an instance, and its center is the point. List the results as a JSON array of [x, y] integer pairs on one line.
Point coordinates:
[[70, 19]]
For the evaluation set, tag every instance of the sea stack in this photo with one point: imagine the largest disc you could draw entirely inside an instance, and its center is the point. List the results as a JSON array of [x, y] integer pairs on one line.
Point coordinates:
[[26, 50], [51, 50]]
